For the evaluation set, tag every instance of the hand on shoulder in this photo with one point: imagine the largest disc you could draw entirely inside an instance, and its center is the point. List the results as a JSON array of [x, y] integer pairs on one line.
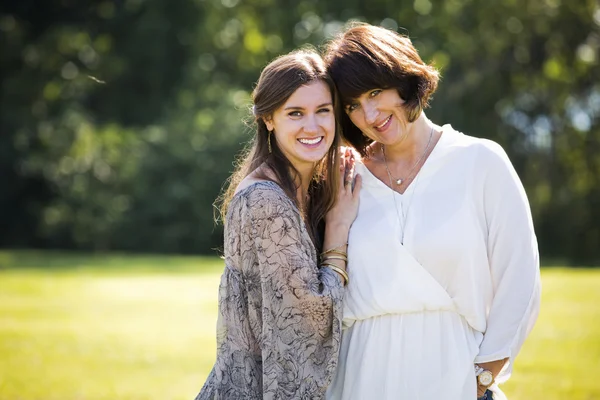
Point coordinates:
[[356, 155], [345, 209]]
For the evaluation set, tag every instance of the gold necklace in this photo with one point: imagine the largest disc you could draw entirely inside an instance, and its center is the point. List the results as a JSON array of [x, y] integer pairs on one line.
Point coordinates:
[[402, 222], [400, 180]]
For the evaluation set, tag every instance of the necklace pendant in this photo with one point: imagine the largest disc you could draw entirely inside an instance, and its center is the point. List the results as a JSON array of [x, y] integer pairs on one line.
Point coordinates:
[[398, 182]]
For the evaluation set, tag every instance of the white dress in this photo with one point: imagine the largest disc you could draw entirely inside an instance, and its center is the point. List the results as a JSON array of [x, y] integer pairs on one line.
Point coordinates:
[[463, 288]]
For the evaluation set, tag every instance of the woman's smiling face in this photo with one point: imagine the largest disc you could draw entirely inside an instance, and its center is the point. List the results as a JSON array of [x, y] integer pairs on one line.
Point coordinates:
[[304, 126], [379, 114]]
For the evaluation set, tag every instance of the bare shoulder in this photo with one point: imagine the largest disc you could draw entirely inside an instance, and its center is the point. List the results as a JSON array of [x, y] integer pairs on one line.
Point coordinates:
[[258, 190], [257, 176], [247, 182]]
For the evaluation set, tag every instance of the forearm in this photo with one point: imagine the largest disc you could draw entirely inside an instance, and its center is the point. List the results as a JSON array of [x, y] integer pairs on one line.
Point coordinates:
[[494, 366], [336, 237]]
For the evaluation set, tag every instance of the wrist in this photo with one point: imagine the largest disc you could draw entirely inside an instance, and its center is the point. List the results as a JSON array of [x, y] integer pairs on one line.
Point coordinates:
[[337, 231], [485, 378], [495, 366], [337, 225]]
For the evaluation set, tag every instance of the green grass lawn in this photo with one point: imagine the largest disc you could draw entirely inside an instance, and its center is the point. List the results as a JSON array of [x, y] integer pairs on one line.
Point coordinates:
[[75, 327]]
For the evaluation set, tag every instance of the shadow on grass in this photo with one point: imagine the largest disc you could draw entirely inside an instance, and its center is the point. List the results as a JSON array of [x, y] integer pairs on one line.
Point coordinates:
[[56, 261]]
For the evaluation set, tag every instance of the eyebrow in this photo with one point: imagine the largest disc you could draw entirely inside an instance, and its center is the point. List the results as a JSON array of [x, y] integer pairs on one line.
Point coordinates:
[[302, 108]]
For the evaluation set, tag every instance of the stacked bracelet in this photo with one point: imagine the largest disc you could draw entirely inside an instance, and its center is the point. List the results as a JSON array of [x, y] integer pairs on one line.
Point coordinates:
[[333, 251], [339, 270], [336, 249], [336, 253], [334, 257]]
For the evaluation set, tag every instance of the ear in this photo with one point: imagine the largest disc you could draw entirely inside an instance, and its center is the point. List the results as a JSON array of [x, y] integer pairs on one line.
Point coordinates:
[[269, 123]]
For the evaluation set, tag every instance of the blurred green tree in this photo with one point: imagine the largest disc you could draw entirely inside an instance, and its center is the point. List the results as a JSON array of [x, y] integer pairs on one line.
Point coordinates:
[[120, 119]]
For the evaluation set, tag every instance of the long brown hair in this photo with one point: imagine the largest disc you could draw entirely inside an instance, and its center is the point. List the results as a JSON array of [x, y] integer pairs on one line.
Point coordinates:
[[366, 57], [277, 82]]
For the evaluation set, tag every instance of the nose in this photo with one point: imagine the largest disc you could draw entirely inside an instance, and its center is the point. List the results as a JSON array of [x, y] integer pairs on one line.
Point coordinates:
[[371, 112], [311, 125]]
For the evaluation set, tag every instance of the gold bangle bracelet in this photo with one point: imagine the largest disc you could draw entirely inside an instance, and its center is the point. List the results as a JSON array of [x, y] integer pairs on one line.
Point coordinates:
[[339, 270], [334, 248], [343, 274], [344, 258], [341, 253]]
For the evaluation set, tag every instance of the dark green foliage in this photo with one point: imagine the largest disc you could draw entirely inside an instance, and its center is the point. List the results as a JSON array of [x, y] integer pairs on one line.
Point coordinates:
[[119, 120]]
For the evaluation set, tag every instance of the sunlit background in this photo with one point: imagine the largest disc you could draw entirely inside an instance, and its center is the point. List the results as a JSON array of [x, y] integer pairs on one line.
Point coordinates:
[[119, 123]]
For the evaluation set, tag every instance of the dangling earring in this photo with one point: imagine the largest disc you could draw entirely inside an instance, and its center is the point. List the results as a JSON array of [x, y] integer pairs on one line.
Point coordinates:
[[269, 142]]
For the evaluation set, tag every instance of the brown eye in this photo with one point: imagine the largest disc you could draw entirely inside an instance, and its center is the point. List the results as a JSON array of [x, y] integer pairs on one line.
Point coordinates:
[[351, 107]]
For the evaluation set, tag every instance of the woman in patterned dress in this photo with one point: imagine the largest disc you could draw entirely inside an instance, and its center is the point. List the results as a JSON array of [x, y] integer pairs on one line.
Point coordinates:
[[279, 323]]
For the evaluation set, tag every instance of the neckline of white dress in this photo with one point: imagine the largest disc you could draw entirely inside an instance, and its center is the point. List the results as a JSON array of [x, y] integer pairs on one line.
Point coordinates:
[[446, 132]]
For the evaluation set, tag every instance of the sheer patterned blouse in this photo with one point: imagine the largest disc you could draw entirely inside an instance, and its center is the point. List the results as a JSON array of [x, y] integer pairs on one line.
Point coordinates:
[[279, 322]]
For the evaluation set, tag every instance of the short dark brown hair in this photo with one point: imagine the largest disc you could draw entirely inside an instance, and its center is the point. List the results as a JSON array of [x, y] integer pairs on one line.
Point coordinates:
[[366, 57]]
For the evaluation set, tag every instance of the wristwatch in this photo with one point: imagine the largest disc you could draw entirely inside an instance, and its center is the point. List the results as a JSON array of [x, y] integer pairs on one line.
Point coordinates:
[[484, 377]]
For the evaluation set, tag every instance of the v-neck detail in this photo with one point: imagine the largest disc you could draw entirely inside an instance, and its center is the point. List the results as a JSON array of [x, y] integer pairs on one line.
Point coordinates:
[[411, 186]]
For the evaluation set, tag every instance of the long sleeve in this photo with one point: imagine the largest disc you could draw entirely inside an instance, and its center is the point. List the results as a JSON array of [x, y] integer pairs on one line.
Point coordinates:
[[513, 259], [279, 325], [301, 304]]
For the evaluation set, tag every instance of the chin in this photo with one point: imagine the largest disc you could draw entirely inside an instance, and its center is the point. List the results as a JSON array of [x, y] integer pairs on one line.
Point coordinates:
[[390, 139], [314, 156]]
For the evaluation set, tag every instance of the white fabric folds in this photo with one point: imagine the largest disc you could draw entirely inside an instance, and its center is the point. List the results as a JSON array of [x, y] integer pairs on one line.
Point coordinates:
[[463, 288]]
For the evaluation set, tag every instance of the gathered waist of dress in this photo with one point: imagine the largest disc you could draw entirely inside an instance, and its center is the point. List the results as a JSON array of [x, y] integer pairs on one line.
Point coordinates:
[[351, 316], [411, 322], [356, 311], [451, 313]]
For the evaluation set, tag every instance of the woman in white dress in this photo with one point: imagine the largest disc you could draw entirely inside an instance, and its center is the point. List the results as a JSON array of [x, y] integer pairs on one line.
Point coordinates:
[[443, 261]]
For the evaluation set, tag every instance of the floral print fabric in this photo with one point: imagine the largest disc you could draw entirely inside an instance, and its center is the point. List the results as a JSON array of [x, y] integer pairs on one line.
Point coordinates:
[[279, 323]]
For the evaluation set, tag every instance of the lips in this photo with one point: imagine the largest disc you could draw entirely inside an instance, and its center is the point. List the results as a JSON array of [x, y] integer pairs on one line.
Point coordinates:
[[311, 141], [383, 126]]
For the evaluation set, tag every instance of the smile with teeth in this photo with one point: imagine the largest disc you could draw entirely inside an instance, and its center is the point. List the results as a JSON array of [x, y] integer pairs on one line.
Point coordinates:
[[310, 141], [384, 122]]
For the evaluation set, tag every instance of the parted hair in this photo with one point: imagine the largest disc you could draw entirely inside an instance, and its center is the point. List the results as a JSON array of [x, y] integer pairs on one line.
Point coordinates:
[[366, 57], [277, 82]]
